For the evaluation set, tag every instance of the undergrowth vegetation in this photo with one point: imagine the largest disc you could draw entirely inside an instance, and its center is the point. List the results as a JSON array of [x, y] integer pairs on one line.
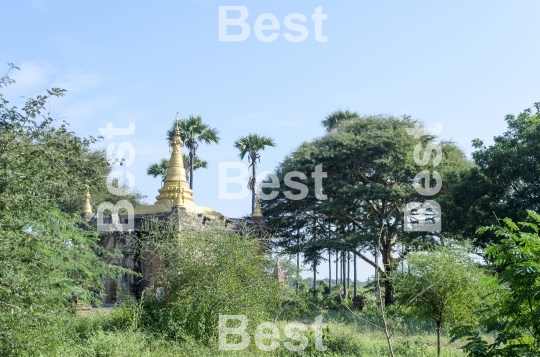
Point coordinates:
[[111, 335]]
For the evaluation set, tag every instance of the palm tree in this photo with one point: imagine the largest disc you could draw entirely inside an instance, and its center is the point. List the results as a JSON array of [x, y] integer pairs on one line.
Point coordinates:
[[251, 145], [332, 120], [160, 168], [193, 131]]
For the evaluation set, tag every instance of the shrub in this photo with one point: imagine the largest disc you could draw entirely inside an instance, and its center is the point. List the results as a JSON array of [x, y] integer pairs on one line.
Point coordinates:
[[207, 271]]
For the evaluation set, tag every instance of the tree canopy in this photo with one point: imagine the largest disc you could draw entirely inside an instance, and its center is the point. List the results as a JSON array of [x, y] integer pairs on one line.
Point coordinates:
[[503, 182], [370, 171]]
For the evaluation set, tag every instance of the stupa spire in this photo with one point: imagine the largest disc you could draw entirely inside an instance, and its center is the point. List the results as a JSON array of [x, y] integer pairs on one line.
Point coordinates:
[[176, 142], [257, 213], [175, 183], [87, 208]]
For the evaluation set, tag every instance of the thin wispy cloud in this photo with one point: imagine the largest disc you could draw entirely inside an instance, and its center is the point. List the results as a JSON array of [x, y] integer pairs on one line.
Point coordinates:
[[89, 108], [30, 77]]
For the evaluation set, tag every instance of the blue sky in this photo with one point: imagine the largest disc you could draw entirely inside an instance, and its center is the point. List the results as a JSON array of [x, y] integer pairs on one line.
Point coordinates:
[[465, 64]]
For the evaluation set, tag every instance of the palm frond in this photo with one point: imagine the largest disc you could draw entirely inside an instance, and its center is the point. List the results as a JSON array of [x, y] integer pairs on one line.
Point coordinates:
[[158, 168], [252, 144]]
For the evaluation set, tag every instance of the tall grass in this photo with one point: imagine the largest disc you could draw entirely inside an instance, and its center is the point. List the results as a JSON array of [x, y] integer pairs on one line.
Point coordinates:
[[106, 335]]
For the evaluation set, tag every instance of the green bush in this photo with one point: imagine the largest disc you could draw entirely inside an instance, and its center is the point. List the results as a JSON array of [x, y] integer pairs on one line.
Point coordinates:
[[208, 271], [513, 316]]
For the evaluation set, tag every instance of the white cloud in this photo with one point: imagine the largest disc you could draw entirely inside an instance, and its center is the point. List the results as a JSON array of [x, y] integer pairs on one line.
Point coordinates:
[[30, 78], [34, 78]]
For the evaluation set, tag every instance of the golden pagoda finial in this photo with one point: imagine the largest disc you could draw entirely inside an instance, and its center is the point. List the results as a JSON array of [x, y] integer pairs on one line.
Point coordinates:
[[177, 140], [257, 213], [87, 208]]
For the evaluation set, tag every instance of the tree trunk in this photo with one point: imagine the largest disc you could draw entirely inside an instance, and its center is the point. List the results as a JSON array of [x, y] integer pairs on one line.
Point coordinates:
[[438, 338], [253, 189], [297, 259], [329, 271], [377, 286], [389, 268], [348, 269], [341, 270], [388, 293], [344, 273], [314, 276], [337, 269], [355, 287], [191, 171]]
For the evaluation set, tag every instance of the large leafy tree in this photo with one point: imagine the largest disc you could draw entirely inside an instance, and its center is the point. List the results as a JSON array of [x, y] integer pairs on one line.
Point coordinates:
[[193, 131], [504, 181], [251, 145], [46, 250], [160, 168], [370, 171]]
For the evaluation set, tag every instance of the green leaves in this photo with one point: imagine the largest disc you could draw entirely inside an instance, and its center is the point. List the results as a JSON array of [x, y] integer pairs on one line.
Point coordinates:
[[158, 168], [515, 316], [252, 144], [443, 284], [332, 120], [47, 251], [208, 271], [370, 166], [504, 181], [193, 130]]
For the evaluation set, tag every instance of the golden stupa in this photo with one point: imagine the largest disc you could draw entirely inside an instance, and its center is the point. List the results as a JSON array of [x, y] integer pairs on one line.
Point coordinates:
[[87, 208], [257, 213], [175, 191]]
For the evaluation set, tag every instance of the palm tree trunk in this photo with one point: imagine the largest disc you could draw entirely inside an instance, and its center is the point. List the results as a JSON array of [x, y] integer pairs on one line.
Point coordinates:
[[191, 171], [315, 261], [254, 160]]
